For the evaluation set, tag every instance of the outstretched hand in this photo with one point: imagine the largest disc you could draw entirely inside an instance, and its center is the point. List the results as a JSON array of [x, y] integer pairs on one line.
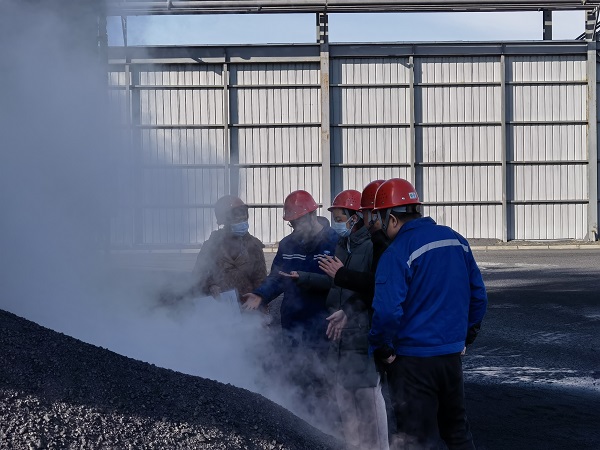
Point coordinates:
[[251, 301], [337, 322], [330, 265], [294, 275]]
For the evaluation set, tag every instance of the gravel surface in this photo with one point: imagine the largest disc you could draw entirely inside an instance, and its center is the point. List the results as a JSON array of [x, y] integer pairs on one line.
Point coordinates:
[[58, 392]]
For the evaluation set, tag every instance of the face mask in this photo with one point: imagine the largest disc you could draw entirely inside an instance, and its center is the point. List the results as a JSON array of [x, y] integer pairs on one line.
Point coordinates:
[[341, 228], [240, 229]]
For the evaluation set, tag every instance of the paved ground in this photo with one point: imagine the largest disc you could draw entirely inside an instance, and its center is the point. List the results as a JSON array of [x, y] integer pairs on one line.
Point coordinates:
[[533, 375]]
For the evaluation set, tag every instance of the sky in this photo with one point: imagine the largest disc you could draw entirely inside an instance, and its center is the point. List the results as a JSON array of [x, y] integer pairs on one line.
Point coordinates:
[[374, 27]]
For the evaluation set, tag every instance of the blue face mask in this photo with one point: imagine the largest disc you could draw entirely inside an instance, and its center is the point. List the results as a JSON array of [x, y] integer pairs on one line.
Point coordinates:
[[240, 229], [341, 229]]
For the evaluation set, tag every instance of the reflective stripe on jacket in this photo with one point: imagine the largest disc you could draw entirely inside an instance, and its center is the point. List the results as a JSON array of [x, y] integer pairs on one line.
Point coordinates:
[[428, 292]]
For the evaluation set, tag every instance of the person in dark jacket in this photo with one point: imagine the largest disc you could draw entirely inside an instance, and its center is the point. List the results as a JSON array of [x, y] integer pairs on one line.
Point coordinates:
[[357, 384], [361, 282], [303, 310], [231, 258], [428, 294], [358, 281]]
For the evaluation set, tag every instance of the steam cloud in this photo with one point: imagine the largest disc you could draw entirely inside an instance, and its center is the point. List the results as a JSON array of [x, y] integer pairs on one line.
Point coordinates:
[[57, 191]]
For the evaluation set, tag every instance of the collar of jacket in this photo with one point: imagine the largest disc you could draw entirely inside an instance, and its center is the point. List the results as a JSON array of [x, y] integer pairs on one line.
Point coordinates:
[[358, 237], [416, 223]]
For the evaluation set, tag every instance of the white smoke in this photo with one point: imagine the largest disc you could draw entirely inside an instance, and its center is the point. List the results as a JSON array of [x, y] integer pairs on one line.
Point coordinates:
[[58, 193]]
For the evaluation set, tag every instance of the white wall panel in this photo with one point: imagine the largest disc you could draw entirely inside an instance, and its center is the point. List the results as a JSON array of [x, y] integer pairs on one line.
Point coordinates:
[[459, 143], [358, 178], [463, 69], [187, 140], [277, 145], [461, 184], [558, 68], [472, 221], [558, 221], [443, 104]]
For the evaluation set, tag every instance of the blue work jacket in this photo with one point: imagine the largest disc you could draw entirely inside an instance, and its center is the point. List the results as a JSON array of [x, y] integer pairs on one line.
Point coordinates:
[[428, 292]]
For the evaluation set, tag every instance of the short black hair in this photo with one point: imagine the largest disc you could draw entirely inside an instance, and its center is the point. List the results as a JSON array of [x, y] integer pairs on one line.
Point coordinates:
[[412, 212]]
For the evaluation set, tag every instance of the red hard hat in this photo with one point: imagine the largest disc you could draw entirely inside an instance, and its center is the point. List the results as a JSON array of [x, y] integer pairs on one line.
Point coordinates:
[[348, 199], [298, 204], [368, 195], [225, 205], [395, 192]]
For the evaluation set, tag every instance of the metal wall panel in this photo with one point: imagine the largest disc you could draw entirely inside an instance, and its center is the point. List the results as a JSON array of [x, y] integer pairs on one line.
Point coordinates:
[[370, 137], [471, 221], [547, 146], [179, 157], [494, 138], [458, 141], [275, 118]]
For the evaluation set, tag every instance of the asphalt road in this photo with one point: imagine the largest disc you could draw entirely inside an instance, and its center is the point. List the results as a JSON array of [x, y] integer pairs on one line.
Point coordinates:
[[533, 375]]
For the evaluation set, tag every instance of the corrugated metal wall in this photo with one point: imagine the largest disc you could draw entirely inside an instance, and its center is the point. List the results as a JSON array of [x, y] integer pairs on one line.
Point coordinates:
[[547, 128], [275, 138], [494, 137]]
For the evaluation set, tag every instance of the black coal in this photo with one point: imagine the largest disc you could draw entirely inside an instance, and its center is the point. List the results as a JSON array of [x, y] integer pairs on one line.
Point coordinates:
[[58, 392]]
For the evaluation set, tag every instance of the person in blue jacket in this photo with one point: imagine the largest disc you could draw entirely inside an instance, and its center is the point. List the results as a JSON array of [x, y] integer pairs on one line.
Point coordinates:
[[429, 302], [303, 309]]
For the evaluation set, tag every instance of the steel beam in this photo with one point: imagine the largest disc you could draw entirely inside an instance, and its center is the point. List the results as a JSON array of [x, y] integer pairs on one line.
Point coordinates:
[[162, 7]]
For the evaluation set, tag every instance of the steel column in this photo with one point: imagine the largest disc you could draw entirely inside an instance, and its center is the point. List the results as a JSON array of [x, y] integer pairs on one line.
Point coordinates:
[[413, 138], [504, 150], [592, 141], [590, 25], [134, 105], [232, 155], [547, 18], [323, 40]]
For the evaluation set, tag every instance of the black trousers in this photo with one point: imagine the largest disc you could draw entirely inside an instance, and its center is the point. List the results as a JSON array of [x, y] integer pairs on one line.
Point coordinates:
[[429, 403]]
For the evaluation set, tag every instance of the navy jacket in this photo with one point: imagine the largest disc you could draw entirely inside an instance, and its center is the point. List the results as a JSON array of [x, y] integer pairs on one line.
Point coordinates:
[[428, 292], [301, 308]]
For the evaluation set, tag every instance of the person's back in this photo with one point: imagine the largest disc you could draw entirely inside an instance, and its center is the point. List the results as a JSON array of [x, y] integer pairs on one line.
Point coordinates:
[[429, 296], [436, 264]]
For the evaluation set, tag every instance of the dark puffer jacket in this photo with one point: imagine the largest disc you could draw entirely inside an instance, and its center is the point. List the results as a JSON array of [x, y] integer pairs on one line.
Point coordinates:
[[230, 262], [349, 356]]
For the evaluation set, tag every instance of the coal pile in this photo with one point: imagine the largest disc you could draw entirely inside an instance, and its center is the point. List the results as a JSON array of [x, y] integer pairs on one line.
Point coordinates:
[[58, 392]]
